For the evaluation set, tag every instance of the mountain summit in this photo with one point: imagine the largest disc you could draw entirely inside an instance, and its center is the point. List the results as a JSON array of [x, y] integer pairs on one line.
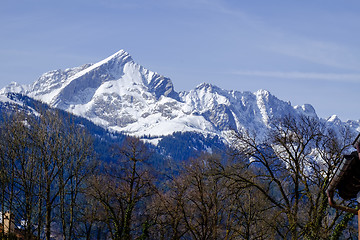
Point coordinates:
[[80, 85], [121, 95]]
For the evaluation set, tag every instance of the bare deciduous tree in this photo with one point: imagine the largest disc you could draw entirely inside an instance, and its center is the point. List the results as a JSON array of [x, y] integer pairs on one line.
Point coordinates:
[[291, 169], [43, 159], [122, 188]]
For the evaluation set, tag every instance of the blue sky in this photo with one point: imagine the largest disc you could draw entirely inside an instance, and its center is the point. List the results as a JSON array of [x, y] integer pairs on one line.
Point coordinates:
[[301, 51]]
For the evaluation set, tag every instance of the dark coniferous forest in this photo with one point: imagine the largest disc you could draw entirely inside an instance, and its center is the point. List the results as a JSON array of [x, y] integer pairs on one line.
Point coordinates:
[[62, 177]]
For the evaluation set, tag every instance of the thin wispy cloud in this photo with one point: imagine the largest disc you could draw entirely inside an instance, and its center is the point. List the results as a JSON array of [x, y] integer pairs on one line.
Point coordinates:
[[320, 52], [333, 77]]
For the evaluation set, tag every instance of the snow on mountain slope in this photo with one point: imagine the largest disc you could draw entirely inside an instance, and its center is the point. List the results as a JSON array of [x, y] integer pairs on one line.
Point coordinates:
[[119, 94], [116, 93]]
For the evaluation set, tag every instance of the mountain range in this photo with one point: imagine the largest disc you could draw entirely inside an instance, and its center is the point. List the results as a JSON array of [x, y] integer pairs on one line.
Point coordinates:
[[123, 96]]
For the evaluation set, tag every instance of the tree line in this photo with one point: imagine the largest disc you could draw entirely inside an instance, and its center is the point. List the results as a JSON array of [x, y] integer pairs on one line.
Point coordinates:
[[268, 187]]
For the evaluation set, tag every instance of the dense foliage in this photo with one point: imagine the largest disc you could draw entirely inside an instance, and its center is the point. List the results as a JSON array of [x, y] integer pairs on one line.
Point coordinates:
[[181, 146]]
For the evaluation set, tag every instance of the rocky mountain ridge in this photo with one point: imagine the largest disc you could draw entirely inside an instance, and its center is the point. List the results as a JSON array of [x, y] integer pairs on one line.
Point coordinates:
[[121, 95]]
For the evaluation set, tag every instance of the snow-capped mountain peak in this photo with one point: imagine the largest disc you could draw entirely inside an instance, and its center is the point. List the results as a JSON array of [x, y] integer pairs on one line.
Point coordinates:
[[120, 94]]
